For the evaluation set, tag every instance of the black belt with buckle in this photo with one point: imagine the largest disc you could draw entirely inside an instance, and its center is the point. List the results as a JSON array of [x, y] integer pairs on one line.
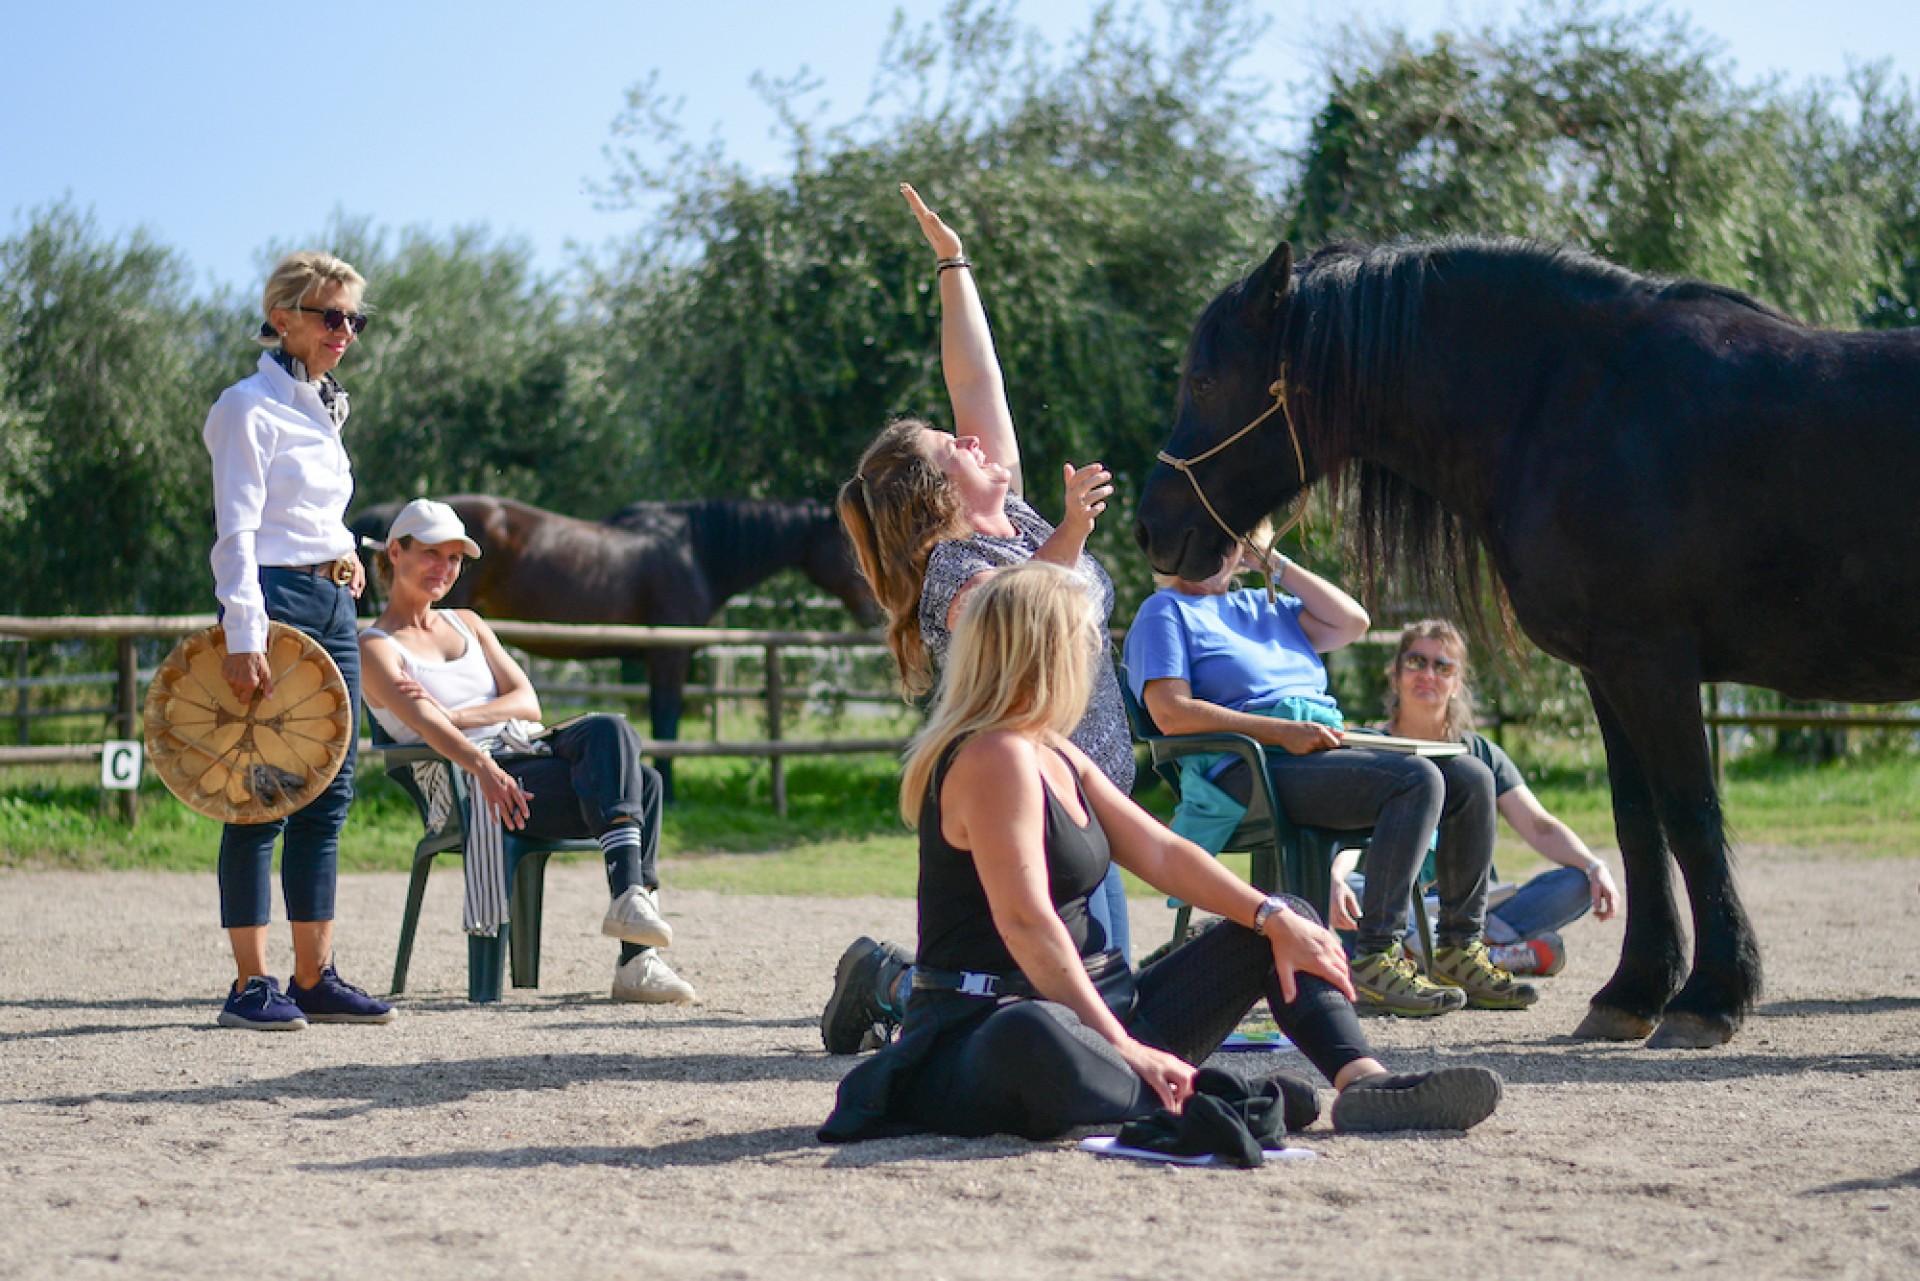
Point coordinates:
[[995, 986], [338, 571]]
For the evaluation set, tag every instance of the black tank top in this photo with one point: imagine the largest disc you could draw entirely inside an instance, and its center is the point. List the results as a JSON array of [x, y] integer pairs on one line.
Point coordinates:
[[956, 924]]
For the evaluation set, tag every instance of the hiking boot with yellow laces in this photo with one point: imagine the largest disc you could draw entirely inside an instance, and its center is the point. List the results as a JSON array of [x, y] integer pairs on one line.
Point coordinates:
[[1487, 986], [1391, 982]]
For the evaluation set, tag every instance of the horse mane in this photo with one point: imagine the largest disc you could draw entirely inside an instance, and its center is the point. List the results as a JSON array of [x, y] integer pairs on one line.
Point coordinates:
[[737, 542], [1347, 386]]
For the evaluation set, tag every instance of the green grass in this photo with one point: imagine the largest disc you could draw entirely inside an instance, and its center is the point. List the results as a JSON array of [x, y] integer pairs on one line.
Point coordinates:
[[843, 837]]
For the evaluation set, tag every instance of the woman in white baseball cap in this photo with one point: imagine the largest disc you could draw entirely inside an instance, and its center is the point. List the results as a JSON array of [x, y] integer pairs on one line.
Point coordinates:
[[441, 677]]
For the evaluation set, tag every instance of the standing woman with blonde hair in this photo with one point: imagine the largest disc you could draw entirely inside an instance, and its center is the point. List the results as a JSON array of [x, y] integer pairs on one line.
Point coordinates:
[[281, 484], [934, 514]]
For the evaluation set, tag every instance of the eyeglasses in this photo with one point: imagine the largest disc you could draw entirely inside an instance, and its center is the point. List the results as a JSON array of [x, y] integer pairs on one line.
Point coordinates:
[[1412, 662], [333, 318]]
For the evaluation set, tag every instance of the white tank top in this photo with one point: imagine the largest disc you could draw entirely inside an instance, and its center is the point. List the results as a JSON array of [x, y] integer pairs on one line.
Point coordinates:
[[455, 683]]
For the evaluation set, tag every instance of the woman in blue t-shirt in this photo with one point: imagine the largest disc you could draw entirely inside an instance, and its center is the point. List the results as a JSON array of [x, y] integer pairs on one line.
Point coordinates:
[[1204, 658]]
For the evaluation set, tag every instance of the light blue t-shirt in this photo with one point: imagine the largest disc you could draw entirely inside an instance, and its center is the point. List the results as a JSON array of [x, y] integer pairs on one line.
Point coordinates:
[[1236, 649]]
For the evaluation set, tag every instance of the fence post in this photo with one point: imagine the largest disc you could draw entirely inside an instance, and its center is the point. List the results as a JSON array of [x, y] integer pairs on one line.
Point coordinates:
[[21, 702], [129, 718], [776, 695]]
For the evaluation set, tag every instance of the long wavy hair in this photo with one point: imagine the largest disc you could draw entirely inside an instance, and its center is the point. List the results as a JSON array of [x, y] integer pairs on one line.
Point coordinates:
[[1460, 711], [1022, 660], [897, 505]]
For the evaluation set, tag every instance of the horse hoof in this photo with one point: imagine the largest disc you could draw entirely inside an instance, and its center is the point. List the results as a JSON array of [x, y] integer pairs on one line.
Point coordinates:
[[1690, 1032], [1604, 1023]]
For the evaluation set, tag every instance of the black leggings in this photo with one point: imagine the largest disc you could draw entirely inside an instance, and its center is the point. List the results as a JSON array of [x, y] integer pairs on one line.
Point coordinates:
[[1032, 1068]]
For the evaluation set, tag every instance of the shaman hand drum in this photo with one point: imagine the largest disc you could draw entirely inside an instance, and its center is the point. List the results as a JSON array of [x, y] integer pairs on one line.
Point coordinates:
[[256, 762]]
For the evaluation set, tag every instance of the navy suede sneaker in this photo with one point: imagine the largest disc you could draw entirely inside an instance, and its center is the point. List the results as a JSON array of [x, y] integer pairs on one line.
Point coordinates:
[[260, 1006], [334, 1000]]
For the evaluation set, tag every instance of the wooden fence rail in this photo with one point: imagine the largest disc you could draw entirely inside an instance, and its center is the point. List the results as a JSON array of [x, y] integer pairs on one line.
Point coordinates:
[[775, 748]]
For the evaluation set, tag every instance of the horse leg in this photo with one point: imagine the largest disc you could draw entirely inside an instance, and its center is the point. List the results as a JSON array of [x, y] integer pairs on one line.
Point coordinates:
[[1651, 960], [666, 697], [1662, 716]]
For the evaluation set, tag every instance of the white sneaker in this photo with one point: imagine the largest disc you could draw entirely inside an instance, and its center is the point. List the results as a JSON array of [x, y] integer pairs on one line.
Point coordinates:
[[647, 979], [635, 917]]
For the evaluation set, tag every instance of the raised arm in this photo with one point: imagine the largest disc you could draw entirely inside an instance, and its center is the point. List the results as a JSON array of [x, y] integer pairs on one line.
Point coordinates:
[[967, 360], [1331, 618]]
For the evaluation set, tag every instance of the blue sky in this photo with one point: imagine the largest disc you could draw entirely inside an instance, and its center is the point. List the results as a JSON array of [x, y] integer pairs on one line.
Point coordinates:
[[223, 127]]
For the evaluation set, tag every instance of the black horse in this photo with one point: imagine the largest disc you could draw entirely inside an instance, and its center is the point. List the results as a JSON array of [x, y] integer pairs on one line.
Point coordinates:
[[1674, 483], [655, 564]]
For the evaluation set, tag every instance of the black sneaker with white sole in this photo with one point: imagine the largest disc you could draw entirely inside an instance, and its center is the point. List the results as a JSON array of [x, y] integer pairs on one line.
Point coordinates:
[[1456, 1098], [862, 1008]]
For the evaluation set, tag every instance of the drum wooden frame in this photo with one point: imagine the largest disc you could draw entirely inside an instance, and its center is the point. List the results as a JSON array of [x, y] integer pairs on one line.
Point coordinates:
[[254, 762]]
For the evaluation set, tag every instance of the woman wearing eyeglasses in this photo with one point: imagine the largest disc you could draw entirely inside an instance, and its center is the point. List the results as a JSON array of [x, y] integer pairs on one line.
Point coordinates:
[[1428, 696], [1204, 658], [281, 483]]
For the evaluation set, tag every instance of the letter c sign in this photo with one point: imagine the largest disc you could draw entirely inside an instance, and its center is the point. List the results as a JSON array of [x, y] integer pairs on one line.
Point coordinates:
[[120, 763]]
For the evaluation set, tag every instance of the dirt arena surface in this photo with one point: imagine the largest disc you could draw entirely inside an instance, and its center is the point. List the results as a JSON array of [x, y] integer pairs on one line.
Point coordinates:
[[559, 1135]]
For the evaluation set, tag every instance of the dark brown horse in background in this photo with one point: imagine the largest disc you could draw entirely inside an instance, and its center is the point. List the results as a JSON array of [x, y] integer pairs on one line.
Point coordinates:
[[1674, 483], [651, 564]]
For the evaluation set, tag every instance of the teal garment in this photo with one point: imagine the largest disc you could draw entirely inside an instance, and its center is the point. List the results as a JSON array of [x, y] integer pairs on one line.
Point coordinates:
[[1207, 816]]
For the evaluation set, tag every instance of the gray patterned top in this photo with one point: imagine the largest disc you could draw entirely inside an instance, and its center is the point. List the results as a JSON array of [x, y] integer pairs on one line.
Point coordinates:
[[1102, 734]]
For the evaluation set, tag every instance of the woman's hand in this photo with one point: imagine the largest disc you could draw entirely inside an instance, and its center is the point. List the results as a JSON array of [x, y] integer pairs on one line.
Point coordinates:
[[1170, 1077], [503, 794], [1303, 738], [1606, 895], [944, 239], [1088, 489], [245, 673], [1302, 947], [1343, 909]]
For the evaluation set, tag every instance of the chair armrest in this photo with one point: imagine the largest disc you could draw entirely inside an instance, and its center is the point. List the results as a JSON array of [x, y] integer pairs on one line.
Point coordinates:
[[1173, 747]]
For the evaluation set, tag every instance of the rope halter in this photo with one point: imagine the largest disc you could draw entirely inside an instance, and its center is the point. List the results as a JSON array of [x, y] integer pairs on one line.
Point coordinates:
[[1278, 390]]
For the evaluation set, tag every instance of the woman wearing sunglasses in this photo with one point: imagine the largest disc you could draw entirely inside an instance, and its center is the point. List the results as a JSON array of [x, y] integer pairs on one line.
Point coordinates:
[[1428, 696], [281, 482]]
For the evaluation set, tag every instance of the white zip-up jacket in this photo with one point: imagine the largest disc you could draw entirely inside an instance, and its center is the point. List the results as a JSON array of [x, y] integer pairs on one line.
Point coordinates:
[[281, 485]]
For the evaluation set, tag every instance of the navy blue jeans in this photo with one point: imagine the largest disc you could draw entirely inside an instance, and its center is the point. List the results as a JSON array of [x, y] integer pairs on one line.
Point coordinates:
[[310, 853], [594, 778]]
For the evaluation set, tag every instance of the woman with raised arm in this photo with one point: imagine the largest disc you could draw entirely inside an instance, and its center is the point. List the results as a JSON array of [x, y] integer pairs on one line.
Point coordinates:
[[1021, 1019], [933, 515]]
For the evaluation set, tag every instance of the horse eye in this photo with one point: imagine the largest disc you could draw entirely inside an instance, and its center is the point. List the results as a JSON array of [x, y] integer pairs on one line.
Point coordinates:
[[1200, 385]]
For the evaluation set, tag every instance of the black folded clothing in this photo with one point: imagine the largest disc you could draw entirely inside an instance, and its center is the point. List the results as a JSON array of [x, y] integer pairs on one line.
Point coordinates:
[[1228, 1117]]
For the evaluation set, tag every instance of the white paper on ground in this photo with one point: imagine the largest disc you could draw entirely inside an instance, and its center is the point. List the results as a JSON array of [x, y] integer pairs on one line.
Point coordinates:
[[1109, 1145]]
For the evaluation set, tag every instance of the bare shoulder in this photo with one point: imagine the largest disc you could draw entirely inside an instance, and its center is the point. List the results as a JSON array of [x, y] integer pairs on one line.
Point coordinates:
[[1001, 754]]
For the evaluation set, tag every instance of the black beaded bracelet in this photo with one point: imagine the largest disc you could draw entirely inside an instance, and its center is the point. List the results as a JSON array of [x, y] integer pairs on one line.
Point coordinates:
[[944, 264]]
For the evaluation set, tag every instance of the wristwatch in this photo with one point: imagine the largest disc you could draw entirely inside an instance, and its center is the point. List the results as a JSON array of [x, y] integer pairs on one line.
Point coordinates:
[[1269, 906]]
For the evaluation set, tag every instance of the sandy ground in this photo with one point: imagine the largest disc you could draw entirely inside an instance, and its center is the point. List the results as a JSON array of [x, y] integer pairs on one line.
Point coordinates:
[[557, 1134]]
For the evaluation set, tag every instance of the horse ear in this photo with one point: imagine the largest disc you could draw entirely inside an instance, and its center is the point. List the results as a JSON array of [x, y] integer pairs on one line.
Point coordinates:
[[1268, 286]]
